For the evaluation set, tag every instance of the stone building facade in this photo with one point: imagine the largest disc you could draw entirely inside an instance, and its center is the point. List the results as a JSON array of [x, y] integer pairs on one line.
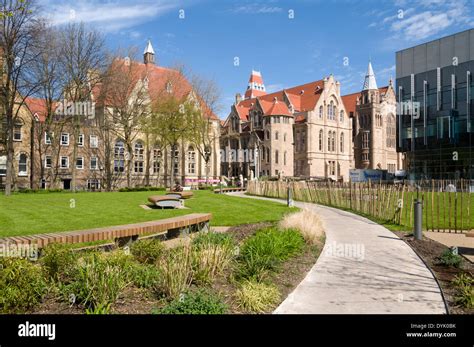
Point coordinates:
[[98, 153], [310, 131]]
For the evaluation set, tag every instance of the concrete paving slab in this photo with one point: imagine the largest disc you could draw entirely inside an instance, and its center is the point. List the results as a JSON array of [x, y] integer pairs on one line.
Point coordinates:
[[363, 269]]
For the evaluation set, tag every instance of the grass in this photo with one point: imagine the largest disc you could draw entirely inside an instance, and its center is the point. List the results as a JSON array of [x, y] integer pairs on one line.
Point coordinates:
[[26, 214]]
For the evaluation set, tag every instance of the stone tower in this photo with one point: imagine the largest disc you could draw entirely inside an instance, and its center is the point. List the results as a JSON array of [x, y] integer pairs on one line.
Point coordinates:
[[149, 54]]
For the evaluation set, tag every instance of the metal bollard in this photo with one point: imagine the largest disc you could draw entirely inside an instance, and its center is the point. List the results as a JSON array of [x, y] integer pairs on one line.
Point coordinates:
[[289, 201], [418, 220]]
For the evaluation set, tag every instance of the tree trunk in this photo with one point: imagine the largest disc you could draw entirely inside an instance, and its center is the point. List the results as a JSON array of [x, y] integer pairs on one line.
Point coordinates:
[[10, 155]]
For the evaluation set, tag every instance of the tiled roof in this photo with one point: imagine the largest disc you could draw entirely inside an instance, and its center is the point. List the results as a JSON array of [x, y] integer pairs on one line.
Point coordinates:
[[350, 102]]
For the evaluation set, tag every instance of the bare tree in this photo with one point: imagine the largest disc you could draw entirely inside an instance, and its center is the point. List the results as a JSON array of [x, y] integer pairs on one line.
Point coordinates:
[[83, 60], [124, 95], [48, 72], [18, 34], [172, 113], [204, 129]]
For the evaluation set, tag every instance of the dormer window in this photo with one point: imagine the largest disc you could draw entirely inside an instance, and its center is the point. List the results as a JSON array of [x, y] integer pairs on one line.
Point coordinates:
[[169, 87]]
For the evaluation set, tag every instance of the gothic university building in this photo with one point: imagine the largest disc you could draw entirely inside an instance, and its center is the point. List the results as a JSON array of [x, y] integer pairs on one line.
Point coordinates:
[[99, 152], [310, 131]]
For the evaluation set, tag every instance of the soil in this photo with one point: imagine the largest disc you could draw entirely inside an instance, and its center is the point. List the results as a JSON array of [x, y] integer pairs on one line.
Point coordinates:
[[430, 250], [135, 300]]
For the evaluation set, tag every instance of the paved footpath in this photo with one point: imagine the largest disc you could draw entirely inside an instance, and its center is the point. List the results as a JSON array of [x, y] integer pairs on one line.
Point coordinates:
[[364, 268]]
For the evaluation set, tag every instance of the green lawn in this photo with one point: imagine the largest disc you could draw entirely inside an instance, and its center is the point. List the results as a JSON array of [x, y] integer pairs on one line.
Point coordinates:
[[23, 214]]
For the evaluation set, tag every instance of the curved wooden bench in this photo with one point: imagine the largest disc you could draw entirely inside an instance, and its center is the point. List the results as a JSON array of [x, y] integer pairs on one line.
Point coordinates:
[[165, 201], [171, 227], [181, 195]]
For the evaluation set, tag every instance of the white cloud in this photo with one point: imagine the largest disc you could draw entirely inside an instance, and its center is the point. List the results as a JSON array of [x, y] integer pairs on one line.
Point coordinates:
[[110, 16], [426, 18]]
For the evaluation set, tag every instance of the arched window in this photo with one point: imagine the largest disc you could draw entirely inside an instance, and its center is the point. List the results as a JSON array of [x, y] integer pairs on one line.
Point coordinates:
[[341, 116], [341, 144], [191, 160], [119, 156], [333, 141], [321, 140], [276, 135], [157, 155], [329, 140], [138, 150], [331, 108], [321, 112], [284, 137], [284, 158], [138, 165], [276, 156], [22, 165]]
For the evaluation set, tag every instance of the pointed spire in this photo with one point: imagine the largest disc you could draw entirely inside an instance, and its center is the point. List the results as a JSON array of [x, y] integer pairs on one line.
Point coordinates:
[[370, 82], [149, 48], [149, 54]]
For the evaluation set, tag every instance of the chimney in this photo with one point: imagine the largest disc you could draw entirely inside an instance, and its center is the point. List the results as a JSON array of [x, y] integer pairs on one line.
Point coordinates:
[[238, 98]]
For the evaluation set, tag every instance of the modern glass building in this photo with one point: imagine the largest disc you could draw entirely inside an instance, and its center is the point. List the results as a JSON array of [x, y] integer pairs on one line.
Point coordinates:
[[435, 115]]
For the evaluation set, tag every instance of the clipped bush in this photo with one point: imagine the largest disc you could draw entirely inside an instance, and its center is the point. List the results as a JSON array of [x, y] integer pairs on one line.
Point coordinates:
[[98, 282], [257, 297], [265, 251], [464, 284], [175, 267], [147, 251], [22, 285], [450, 259], [307, 223], [58, 261], [197, 302]]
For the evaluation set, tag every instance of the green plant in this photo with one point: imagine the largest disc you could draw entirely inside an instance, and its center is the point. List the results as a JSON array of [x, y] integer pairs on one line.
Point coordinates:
[[206, 238], [22, 285], [197, 302], [257, 297], [176, 271], [464, 284], [211, 254], [143, 275], [58, 261], [266, 250], [448, 258], [147, 251], [98, 282]]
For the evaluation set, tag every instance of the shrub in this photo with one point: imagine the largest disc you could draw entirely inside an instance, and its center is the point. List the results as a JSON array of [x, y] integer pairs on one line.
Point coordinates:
[[147, 251], [450, 259], [206, 238], [464, 284], [143, 275], [307, 223], [212, 253], [198, 302], [176, 271], [98, 282], [58, 261], [141, 189], [257, 297], [22, 285], [265, 251]]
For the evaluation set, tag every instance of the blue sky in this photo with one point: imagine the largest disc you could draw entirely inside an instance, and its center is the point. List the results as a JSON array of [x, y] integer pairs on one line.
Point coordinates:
[[324, 37]]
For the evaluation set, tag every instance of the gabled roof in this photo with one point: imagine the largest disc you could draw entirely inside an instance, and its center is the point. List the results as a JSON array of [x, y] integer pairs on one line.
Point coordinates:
[[162, 82], [274, 108], [350, 102], [37, 107]]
